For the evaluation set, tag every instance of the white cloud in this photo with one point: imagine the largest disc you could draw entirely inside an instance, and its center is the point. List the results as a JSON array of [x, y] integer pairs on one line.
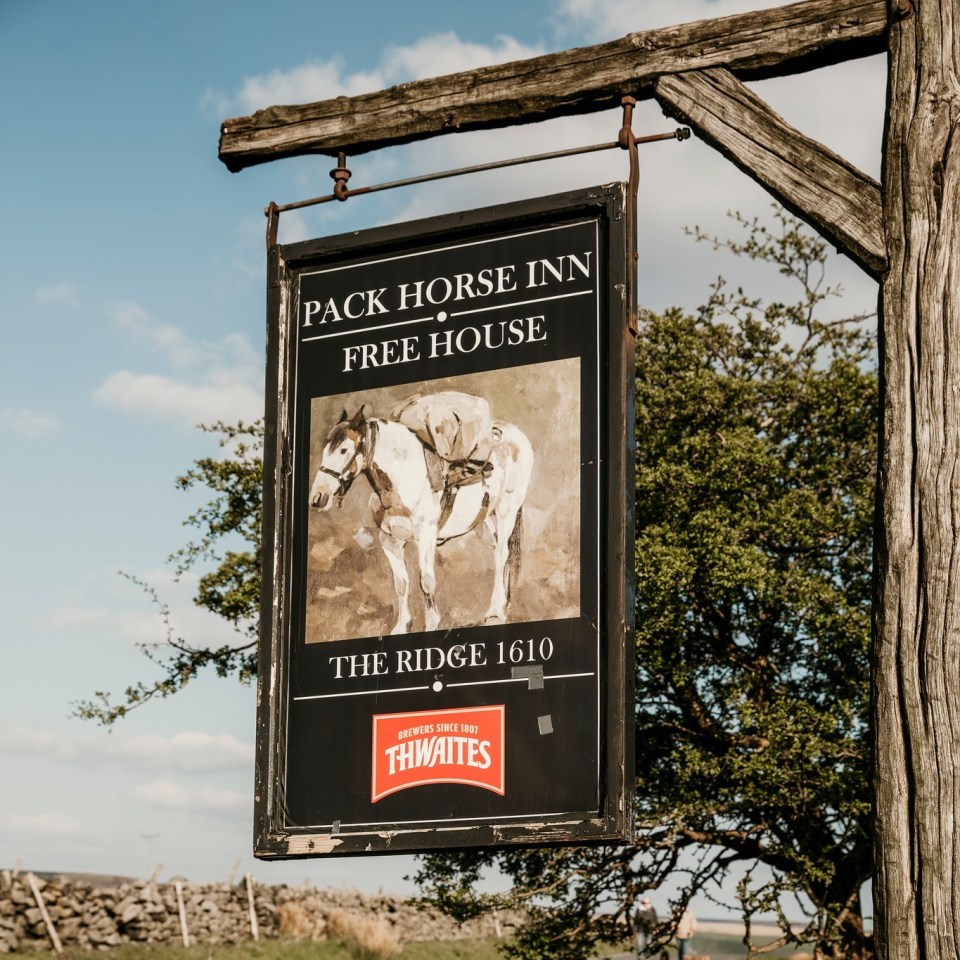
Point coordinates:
[[308, 82], [162, 793], [189, 752], [63, 292], [599, 20], [43, 824], [213, 798], [293, 228], [169, 340], [143, 624], [323, 80], [32, 424], [216, 380], [444, 53], [133, 628], [159, 397], [166, 793], [69, 617]]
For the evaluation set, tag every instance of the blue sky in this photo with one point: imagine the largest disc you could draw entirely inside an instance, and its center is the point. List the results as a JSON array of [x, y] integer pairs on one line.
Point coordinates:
[[133, 275]]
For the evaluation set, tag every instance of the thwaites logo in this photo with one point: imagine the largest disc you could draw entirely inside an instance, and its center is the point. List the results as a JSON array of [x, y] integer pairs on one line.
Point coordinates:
[[438, 746]]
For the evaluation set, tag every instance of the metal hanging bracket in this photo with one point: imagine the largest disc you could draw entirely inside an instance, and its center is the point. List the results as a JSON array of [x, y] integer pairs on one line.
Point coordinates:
[[627, 141], [341, 175]]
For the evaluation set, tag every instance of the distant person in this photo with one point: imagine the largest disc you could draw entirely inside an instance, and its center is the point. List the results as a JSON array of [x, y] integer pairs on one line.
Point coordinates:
[[685, 931], [645, 919]]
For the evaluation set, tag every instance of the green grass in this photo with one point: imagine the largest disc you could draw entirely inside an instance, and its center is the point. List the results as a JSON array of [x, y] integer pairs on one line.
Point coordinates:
[[715, 945], [290, 950], [725, 946]]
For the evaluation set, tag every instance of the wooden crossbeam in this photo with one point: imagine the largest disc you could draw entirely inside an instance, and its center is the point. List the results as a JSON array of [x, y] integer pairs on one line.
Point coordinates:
[[758, 44], [832, 195]]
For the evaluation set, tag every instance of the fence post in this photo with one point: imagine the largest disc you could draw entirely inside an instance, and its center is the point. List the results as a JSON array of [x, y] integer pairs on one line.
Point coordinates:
[[48, 923], [178, 886], [254, 928]]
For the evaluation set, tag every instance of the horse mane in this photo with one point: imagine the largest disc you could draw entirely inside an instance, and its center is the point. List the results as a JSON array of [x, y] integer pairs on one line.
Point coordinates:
[[366, 435]]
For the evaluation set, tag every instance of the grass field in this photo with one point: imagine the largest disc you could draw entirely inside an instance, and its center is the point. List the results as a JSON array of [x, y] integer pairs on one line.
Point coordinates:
[[715, 945], [289, 950]]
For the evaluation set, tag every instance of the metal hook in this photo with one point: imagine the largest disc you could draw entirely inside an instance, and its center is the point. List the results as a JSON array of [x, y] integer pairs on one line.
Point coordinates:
[[340, 176]]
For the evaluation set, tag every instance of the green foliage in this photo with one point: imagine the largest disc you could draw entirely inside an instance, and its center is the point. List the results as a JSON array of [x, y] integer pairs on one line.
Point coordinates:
[[756, 453], [230, 589], [756, 431]]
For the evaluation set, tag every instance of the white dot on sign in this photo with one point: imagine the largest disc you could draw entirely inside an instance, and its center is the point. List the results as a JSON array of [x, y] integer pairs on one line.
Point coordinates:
[[437, 686], [441, 316]]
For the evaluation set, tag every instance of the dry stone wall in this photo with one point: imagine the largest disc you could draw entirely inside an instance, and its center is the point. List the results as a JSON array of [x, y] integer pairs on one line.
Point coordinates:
[[99, 917]]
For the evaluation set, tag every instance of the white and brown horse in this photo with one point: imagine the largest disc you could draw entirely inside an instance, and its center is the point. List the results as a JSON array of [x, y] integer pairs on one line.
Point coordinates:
[[409, 505]]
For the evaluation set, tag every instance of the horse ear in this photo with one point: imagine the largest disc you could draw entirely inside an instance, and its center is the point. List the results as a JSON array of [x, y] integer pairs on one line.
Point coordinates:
[[358, 417], [343, 416]]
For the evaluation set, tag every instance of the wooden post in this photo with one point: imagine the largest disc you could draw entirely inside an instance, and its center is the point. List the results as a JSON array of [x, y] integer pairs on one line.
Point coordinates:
[[916, 680], [832, 195], [254, 929], [47, 922], [181, 909]]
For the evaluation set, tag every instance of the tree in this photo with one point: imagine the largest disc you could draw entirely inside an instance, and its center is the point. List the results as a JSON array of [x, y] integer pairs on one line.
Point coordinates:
[[756, 452], [231, 589]]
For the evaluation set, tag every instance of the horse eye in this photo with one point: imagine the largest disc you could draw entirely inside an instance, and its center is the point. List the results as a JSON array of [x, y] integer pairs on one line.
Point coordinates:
[[343, 449]]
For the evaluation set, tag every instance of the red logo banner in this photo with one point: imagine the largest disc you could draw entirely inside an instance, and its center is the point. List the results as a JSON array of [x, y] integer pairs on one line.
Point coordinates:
[[438, 746]]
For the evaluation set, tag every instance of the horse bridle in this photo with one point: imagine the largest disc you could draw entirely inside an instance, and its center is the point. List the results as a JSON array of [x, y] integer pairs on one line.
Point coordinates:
[[345, 477]]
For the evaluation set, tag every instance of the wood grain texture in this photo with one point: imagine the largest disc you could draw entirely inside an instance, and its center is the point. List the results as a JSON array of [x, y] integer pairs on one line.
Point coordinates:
[[916, 681], [764, 43], [840, 201]]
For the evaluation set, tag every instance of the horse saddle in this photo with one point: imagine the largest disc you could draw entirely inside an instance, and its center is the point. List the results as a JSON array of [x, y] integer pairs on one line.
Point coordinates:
[[460, 473]]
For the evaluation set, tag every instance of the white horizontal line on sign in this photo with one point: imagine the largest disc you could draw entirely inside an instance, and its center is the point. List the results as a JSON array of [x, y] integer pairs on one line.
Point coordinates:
[[522, 303], [360, 693], [349, 333], [448, 820], [483, 683]]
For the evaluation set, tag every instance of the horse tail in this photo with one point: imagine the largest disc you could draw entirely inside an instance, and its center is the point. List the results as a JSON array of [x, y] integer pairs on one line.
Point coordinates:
[[513, 552]]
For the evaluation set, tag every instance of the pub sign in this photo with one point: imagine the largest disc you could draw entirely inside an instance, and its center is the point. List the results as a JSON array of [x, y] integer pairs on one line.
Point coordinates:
[[446, 645]]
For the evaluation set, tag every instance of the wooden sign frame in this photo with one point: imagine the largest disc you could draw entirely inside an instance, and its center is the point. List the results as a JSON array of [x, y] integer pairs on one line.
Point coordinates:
[[509, 726]]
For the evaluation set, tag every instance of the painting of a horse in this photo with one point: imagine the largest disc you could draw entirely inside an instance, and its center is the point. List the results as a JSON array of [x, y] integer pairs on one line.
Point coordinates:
[[414, 502]]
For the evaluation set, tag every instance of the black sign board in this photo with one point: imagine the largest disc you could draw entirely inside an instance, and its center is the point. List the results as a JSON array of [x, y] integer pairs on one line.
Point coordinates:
[[446, 650]]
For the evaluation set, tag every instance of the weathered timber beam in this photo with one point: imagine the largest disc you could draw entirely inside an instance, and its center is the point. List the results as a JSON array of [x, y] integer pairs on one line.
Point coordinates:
[[762, 43], [832, 195]]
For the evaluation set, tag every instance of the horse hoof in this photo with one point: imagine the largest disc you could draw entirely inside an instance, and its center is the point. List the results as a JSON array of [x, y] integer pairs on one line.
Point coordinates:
[[494, 618]]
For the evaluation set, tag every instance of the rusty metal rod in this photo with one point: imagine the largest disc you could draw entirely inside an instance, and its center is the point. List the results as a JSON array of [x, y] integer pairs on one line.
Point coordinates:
[[681, 133]]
